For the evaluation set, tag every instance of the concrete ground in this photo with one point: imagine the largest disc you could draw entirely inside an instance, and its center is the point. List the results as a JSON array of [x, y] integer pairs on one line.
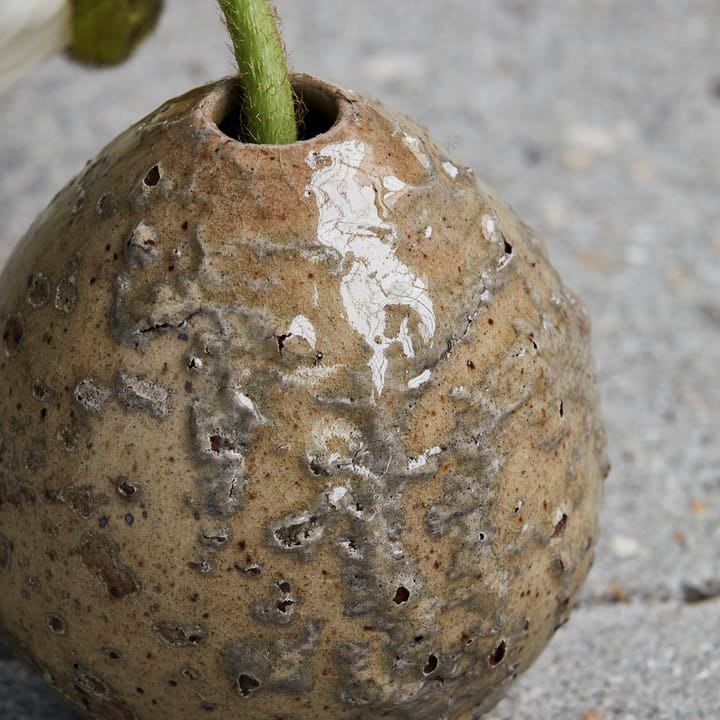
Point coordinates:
[[598, 121]]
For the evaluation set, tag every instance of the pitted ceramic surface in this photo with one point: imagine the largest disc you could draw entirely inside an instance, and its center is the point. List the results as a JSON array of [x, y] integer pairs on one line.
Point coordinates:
[[304, 431]]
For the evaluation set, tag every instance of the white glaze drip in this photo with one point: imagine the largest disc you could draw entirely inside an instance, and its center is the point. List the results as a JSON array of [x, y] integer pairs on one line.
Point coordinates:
[[349, 223]]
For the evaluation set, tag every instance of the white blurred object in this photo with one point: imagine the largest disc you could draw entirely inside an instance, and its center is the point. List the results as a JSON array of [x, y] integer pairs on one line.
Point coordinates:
[[30, 31]]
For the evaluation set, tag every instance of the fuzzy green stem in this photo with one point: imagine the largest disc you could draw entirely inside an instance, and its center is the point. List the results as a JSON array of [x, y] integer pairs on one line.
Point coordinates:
[[269, 106]]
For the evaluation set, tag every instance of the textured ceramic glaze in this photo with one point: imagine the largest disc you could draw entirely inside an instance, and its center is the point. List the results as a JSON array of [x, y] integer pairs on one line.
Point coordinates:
[[289, 432]]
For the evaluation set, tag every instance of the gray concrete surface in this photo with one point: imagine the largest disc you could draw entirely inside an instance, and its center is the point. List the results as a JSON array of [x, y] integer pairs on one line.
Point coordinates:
[[598, 120]]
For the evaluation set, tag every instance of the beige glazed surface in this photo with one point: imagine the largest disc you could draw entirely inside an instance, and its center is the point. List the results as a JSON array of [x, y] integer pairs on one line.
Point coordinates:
[[289, 432]]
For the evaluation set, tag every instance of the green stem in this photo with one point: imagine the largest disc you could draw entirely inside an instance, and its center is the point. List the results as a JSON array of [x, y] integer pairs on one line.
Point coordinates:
[[105, 32], [269, 106]]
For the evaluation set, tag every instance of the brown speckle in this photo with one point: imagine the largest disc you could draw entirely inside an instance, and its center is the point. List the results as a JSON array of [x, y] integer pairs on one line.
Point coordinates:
[[99, 555], [13, 334], [5, 553], [82, 499]]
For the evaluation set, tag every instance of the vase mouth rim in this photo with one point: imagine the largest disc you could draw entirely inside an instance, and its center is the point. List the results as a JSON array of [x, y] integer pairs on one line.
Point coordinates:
[[319, 108]]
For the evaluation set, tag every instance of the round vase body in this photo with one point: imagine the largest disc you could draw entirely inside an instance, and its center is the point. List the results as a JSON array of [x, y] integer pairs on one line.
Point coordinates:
[[302, 431]]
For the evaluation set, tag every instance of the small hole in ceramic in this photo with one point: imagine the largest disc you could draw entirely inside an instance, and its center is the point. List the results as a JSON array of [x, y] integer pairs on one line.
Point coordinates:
[[153, 176], [498, 654], [246, 684], [430, 665]]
